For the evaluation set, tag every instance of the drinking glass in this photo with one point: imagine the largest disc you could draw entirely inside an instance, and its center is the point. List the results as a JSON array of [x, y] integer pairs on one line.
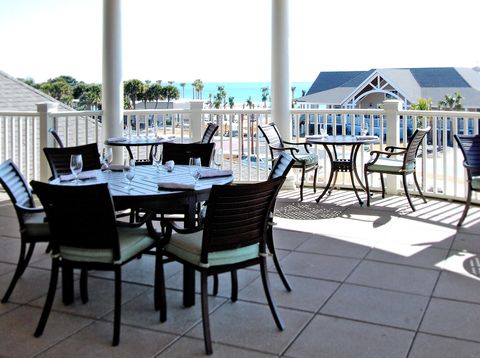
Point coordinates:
[[218, 159], [157, 157], [129, 171], [76, 165], [323, 130], [107, 156], [194, 165]]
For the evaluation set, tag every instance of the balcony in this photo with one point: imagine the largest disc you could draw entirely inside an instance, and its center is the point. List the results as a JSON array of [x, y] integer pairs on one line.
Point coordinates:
[[376, 282]]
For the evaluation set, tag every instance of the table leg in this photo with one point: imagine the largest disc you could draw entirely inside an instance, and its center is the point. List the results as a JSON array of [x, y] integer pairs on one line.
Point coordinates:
[[67, 284], [188, 272], [332, 172], [353, 172]]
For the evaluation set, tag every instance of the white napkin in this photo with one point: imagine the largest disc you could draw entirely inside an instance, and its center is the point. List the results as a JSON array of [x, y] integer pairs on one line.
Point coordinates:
[[212, 173], [367, 137], [117, 139], [175, 185], [169, 165], [89, 174]]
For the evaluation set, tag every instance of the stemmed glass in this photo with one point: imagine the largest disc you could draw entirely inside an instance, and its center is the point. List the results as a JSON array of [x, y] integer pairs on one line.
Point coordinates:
[[76, 165], [323, 130], [157, 157], [129, 171], [194, 165], [107, 157], [218, 159]]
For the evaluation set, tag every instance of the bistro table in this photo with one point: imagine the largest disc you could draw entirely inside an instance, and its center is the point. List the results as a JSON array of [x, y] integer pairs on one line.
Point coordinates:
[[145, 194], [136, 141], [342, 164]]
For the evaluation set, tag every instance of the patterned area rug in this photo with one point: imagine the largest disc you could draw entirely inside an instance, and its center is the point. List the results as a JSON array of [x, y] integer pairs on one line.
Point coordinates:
[[298, 210]]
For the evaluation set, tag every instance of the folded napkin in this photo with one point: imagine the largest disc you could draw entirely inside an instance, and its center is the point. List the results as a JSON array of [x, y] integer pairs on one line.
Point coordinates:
[[89, 174], [212, 173], [114, 167], [367, 137], [117, 139], [169, 166], [175, 185]]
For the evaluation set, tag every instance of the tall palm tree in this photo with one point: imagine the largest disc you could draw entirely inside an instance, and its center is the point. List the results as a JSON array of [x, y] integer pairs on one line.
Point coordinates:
[[133, 88], [182, 84], [231, 103], [170, 92], [293, 88], [265, 95]]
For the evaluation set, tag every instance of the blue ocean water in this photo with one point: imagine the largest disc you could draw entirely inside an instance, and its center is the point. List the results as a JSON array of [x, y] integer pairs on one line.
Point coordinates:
[[240, 91]]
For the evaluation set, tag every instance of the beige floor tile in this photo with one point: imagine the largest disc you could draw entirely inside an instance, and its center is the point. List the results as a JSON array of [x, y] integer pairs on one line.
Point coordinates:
[[428, 346]]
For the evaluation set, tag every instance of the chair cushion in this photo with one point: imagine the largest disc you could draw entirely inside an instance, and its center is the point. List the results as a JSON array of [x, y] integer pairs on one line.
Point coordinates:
[[188, 247], [476, 183], [308, 158], [35, 224], [389, 165], [132, 242]]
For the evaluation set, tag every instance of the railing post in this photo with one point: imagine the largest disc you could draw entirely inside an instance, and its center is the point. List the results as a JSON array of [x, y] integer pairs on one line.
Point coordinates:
[[46, 122], [392, 116], [196, 124]]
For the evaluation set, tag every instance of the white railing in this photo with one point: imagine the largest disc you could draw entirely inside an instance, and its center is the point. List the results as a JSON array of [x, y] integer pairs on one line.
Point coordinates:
[[440, 167]]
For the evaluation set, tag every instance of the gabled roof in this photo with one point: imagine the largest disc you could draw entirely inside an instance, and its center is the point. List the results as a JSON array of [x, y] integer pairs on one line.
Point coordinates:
[[16, 95], [335, 88]]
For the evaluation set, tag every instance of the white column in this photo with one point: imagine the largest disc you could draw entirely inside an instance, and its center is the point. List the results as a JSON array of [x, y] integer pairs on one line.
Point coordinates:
[[112, 81], [280, 68], [391, 108], [46, 139]]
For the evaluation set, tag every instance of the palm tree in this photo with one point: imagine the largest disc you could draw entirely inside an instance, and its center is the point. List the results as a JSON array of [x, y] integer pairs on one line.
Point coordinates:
[[198, 88], [451, 102], [293, 88], [265, 95], [132, 89], [91, 98], [182, 84], [170, 92], [231, 103], [156, 92]]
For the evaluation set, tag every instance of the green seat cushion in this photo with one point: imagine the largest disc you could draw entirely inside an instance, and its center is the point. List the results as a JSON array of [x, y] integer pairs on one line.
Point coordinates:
[[188, 247], [35, 224], [476, 183], [132, 242], [308, 158], [389, 165]]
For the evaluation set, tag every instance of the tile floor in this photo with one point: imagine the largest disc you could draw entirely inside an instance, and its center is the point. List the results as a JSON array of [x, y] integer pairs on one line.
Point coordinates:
[[367, 282]]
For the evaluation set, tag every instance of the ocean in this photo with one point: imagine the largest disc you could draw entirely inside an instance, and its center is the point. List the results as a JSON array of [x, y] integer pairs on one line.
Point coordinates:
[[240, 91]]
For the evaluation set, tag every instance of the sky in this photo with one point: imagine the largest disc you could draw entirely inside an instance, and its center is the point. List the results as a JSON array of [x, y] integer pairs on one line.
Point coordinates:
[[229, 41]]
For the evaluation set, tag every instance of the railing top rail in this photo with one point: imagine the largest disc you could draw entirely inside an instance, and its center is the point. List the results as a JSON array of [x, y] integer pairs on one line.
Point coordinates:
[[336, 111], [19, 113], [444, 113], [75, 113]]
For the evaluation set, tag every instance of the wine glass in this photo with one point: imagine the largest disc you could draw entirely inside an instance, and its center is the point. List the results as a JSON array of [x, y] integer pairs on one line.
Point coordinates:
[[129, 171], [323, 130], [76, 165], [107, 156], [194, 165], [218, 159], [157, 157]]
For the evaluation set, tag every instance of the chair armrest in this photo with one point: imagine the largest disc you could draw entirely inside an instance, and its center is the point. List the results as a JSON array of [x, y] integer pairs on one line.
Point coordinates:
[[29, 210], [291, 149], [392, 148], [379, 152], [181, 230], [304, 144], [470, 167], [142, 221]]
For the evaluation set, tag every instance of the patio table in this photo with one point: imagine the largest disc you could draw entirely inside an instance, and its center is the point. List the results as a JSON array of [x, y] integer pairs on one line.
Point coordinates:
[[342, 164], [129, 142], [145, 194]]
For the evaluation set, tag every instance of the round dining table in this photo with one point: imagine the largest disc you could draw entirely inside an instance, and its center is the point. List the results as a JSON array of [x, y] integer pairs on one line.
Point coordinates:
[[144, 193], [139, 141]]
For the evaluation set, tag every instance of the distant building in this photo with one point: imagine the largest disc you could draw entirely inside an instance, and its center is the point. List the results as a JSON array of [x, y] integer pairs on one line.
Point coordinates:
[[368, 89]]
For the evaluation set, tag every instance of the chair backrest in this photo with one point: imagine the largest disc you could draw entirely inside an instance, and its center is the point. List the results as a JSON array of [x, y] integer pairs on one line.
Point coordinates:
[[55, 135], [237, 215], [282, 166], [16, 187], [79, 216], [209, 133], [413, 145], [273, 138], [470, 147], [180, 153], [59, 158]]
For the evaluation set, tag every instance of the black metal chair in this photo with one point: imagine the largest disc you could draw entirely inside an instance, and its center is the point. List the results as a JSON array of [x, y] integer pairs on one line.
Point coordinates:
[[210, 131], [180, 153], [233, 237], [470, 147], [382, 162], [305, 161], [31, 219], [85, 235], [57, 138], [59, 158]]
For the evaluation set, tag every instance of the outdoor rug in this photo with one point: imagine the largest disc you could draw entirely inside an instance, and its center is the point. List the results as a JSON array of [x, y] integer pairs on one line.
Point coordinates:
[[298, 210]]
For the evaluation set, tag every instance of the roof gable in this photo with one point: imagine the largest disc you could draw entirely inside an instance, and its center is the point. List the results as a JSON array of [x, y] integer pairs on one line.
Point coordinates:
[[329, 80]]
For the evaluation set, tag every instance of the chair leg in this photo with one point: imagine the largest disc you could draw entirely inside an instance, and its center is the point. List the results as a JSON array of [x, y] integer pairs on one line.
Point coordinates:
[[117, 315], [266, 287], [302, 183], [382, 181], [215, 284], [315, 180], [84, 285], [205, 315], [418, 186], [367, 188], [271, 249], [234, 293], [159, 290], [52, 287], [467, 206], [405, 188], [23, 261]]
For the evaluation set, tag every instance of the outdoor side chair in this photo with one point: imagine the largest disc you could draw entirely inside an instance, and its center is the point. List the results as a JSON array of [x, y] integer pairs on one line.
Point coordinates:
[[59, 158], [232, 237], [210, 131], [470, 147], [57, 138], [31, 219], [305, 161], [85, 235], [382, 162]]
